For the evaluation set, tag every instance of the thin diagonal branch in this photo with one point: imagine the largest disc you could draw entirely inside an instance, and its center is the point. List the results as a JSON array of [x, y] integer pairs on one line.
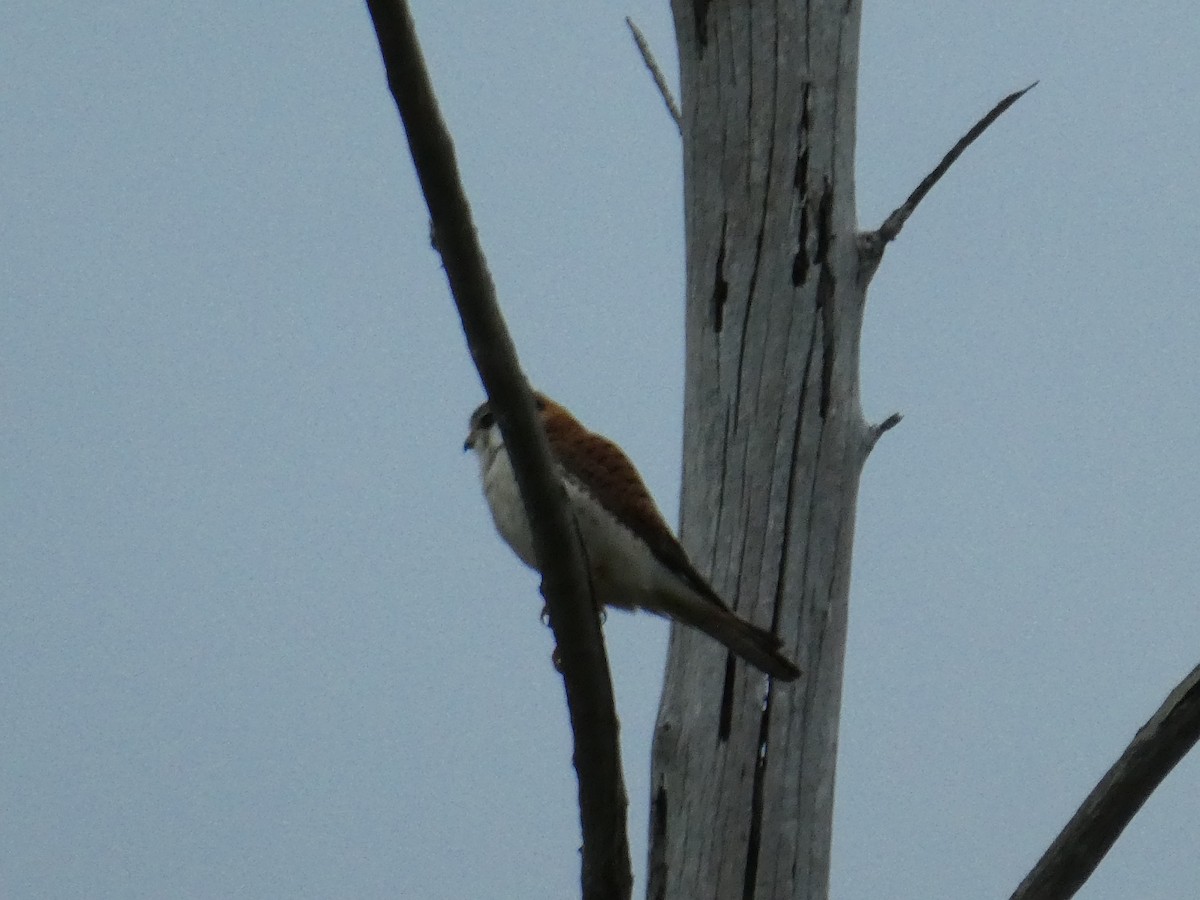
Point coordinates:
[[891, 227], [602, 800], [1161, 743], [655, 72]]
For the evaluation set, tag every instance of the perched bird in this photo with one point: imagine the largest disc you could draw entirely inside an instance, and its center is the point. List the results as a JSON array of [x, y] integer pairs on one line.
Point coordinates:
[[635, 560]]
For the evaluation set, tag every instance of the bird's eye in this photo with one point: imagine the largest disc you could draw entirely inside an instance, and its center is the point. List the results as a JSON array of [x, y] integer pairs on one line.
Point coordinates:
[[486, 420]]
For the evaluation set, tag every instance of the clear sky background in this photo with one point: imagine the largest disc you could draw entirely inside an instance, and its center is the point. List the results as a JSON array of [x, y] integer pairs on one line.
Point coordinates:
[[257, 635]]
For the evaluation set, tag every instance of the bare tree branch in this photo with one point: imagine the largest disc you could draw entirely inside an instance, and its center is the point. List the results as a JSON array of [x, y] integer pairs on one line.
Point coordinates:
[[655, 72], [602, 801], [872, 243], [875, 432], [1156, 748]]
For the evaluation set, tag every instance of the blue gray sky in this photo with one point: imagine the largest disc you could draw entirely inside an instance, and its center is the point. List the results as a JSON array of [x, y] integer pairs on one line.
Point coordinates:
[[257, 636]]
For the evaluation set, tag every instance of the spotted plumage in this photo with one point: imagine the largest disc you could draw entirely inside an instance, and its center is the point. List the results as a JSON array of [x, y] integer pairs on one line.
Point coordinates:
[[635, 561]]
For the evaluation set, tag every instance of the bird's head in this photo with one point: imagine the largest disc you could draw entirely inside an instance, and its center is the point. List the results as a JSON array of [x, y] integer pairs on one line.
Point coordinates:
[[483, 434]]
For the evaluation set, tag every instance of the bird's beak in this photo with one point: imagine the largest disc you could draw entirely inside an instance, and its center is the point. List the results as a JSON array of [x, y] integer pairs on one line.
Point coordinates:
[[469, 443]]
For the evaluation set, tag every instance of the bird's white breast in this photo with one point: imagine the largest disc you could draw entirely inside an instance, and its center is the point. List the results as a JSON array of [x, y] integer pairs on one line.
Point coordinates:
[[504, 501], [623, 569]]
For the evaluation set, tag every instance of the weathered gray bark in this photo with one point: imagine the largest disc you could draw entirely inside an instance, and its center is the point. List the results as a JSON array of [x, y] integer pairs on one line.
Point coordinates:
[[774, 443]]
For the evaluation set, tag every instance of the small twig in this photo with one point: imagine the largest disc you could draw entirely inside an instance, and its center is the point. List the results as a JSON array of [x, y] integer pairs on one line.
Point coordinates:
[[655, 72], [1154, 751], [878, 431], [606, 873], [891, 227]]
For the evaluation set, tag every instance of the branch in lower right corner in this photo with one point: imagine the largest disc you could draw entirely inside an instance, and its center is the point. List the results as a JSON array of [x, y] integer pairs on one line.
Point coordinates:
[[1161, 743], [891, 227]]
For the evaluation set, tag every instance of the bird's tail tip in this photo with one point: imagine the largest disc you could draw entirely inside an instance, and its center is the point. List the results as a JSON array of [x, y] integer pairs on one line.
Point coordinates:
[[757, 646]]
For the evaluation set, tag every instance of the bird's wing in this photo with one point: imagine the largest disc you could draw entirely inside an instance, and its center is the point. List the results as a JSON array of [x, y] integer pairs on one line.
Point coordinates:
[[604, 469]]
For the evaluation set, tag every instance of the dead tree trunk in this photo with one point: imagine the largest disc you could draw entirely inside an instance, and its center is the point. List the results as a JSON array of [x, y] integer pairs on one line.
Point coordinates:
[[774, 443]]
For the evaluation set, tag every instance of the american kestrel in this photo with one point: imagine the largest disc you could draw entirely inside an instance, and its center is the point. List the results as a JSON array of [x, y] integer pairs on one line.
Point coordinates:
[[634, 560]]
